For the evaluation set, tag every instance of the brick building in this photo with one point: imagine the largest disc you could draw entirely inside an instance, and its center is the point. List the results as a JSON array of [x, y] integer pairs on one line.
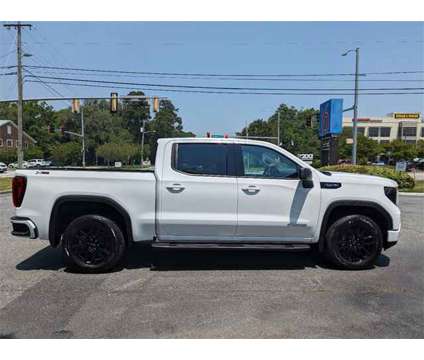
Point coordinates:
[[9, 136]]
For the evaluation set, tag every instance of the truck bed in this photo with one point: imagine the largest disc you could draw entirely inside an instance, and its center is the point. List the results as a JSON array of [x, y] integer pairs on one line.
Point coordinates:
[[134, 191]]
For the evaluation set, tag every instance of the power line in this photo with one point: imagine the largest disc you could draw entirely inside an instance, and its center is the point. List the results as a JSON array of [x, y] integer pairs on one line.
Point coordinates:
[[225, 75], [217, 87], [226, 92], [55, 72]]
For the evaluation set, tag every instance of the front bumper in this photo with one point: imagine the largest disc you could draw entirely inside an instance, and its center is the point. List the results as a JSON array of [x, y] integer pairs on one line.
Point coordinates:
[[24, 227], [392, 238]]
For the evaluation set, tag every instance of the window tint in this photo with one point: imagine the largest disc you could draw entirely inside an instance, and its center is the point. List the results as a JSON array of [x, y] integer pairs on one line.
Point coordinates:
[[201, 159], [260, 161]]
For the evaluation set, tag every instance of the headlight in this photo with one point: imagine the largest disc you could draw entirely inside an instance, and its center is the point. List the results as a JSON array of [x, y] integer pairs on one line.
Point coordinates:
[[391, 193]]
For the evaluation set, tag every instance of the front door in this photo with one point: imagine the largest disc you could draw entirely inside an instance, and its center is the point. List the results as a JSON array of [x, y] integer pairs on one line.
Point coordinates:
[[272, 202], [198, 198]]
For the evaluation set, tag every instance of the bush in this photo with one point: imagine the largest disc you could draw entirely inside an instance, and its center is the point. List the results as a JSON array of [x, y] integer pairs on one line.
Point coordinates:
[[402, 178]]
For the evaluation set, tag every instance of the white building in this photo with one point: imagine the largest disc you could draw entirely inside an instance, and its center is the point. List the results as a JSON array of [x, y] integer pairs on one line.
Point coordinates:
[[405, 126]]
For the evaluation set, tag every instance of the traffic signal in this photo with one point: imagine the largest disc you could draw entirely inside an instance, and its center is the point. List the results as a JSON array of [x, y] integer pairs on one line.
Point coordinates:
[[76, 106], [113, 102], [155, 104]]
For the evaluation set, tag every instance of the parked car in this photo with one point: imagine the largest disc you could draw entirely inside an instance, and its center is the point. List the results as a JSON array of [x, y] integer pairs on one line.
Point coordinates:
[[14, 165], [379, 163], [208, 193], [3, 167], [37, 163]]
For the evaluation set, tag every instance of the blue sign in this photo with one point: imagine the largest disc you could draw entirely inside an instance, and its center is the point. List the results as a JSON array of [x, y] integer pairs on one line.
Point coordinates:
[[331, 117]]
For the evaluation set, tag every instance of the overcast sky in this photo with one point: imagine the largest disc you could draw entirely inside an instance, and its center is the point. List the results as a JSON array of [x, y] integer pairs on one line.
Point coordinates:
[[227, 48]]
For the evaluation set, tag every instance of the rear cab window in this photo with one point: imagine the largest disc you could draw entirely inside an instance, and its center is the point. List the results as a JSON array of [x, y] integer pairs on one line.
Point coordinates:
[[209, 159]]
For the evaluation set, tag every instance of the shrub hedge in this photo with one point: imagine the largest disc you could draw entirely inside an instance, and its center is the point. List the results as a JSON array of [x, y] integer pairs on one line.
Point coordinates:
[[402, 178]]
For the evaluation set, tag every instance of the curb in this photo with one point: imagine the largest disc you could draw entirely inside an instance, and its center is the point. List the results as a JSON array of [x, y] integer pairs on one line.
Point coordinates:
[[411, 194]]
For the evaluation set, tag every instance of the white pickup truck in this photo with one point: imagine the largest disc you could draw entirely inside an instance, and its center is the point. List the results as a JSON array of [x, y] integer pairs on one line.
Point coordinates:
[[208, 193]]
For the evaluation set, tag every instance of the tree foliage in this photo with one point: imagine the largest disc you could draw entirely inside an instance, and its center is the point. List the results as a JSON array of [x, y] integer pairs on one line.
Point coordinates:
[[295, 134], [67, 154], [118, 152]]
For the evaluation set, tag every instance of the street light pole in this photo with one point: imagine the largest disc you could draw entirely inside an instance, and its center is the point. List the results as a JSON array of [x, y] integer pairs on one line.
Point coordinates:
[[355, 106]]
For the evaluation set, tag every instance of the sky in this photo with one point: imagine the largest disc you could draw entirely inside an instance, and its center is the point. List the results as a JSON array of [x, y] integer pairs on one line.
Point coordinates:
[[226, 48]]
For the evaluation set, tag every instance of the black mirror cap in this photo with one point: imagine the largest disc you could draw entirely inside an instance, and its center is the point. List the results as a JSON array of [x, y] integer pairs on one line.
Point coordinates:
[[305, 174]]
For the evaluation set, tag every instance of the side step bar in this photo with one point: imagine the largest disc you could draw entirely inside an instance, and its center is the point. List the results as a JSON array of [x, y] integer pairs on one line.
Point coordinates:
[[228, 246]]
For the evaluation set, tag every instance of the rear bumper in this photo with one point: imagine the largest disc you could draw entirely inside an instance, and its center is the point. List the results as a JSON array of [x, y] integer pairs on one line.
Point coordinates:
[[24, 227]]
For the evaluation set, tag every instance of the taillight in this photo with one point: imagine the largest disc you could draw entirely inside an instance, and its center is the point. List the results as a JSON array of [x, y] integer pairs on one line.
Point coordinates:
[[18, 190]]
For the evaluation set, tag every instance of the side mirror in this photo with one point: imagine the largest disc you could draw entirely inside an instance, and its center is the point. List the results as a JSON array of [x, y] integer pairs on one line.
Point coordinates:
[[305, 174]]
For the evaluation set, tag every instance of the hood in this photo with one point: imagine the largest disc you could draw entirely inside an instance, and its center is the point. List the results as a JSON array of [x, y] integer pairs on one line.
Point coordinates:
[[346, 178]]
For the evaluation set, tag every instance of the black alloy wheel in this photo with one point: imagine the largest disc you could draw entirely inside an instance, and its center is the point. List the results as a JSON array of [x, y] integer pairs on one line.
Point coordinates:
[[354, 242], [93, 243]]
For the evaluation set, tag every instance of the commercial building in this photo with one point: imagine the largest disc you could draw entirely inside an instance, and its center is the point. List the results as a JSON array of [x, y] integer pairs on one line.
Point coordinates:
[[9, 136], [404, 126]]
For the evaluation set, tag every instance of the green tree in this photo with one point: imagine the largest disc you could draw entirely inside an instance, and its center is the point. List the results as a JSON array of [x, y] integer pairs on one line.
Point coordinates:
[[118, 152], [400, 150], [368, 149], [67, 153], [37, 116], [295, 135], [8, 156], [420, 148], [134, 112], [166, 123], [34, 152]]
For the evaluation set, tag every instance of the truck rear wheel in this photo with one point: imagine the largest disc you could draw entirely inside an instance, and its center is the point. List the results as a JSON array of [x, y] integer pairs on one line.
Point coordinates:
[[93, 243], [354, 242]]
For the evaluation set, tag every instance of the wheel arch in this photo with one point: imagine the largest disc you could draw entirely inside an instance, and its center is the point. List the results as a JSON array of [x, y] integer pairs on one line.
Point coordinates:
[[69, 207], [341, 208]]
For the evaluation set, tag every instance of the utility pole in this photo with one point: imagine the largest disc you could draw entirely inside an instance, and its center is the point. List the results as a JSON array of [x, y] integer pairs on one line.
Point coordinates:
[[18, 26], [355, 106]]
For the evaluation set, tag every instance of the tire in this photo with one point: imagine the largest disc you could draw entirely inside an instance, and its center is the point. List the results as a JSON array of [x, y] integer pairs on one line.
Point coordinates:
[[93, 243], [354, 242]]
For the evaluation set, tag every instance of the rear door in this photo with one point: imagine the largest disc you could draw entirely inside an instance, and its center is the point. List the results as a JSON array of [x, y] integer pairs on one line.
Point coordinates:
[[198, 194]]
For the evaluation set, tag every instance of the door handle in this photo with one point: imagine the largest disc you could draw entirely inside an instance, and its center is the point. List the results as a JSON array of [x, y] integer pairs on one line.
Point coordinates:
[[251, 189], [175, 188]]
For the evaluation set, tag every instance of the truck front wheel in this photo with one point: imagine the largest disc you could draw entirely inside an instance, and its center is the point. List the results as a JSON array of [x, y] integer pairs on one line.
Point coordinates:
[[354, 242], [93, 243]]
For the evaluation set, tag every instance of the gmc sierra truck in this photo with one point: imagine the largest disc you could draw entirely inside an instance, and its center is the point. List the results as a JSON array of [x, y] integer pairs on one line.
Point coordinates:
[[208, 193]]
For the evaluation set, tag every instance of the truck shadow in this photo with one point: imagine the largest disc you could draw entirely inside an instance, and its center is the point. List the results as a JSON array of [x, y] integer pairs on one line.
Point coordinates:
[[168, 260]]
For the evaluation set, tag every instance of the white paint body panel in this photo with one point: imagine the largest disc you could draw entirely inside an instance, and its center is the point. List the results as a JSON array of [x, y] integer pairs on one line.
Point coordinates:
[[210, 208]]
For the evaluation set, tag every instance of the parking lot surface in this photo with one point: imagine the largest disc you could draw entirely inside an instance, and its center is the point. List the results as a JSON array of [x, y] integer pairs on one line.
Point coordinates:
[[213, 294]]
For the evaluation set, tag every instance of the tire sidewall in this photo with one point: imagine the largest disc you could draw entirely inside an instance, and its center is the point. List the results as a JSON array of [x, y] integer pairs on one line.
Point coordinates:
[[119, 244], [335, 231]]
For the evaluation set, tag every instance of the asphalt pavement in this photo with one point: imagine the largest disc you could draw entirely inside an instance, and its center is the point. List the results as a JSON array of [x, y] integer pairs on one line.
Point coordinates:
[[213, 294]]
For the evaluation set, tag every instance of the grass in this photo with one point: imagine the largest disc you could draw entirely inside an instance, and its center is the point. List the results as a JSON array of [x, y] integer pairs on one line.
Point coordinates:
[[5, 184], [418, 188]]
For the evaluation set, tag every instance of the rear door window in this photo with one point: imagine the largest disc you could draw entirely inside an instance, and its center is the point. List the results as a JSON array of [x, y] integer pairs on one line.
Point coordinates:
[[201, 159]]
